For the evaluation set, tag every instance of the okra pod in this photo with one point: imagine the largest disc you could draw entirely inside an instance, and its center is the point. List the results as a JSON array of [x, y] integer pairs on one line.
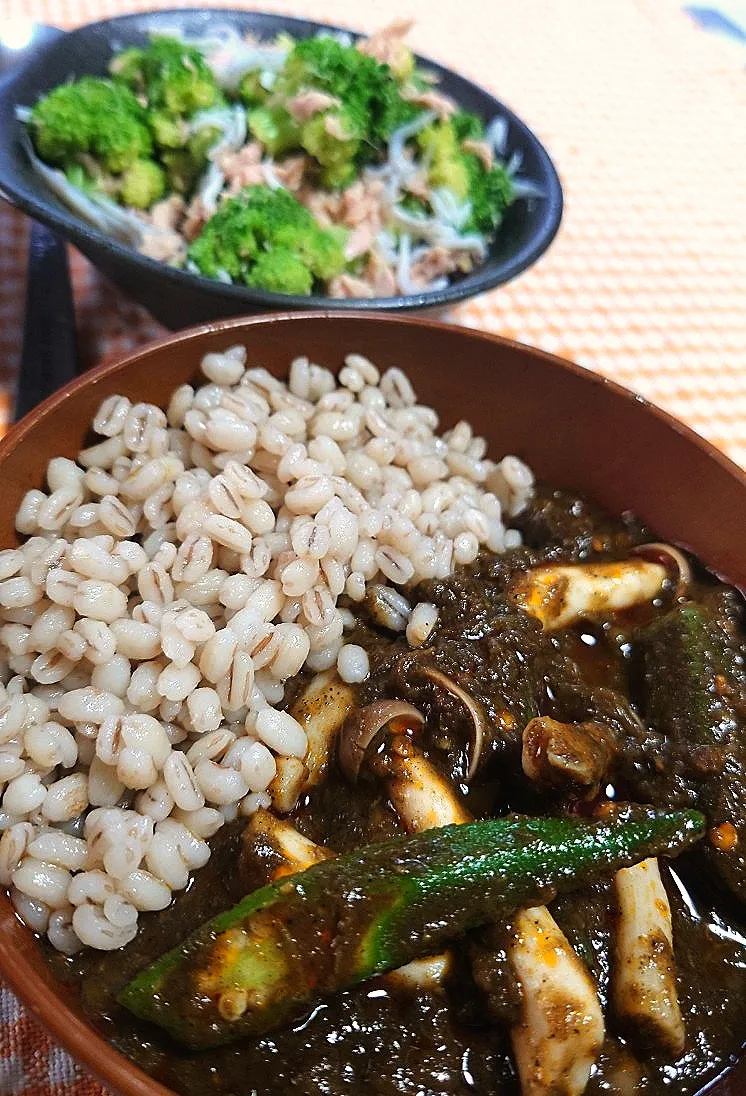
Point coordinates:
[[681, 667], [364, 913], [696, 701]]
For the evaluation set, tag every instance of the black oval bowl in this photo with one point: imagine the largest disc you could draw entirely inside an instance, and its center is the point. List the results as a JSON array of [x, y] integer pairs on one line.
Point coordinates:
[[177, 298]]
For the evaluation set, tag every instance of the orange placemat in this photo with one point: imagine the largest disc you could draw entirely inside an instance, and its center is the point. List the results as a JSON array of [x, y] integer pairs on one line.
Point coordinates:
[[645, 117]]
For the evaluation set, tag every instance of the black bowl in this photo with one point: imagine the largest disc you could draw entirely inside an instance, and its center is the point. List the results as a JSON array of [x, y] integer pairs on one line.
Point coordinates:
[[178, 298]]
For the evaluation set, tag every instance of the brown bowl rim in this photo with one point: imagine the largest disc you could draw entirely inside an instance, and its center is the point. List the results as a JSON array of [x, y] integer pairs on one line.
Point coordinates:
[[79, 1038]]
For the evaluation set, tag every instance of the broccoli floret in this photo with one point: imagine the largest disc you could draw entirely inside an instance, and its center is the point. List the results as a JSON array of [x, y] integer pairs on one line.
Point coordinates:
[[250, 90], [402, 65], [490, 194], [258, 223], [168, 130], [274, 128], [489, 191], [127, 67], [92, 116], [173, 76], [368, 91], [467, 126], [280, 271], [200, 143], [345, 136], [181, 169], [334, 141], [447, 162], [143, 183], [323, 251]]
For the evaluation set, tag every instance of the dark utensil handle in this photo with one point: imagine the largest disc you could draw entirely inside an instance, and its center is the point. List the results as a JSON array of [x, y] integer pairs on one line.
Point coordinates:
[[49, 356]]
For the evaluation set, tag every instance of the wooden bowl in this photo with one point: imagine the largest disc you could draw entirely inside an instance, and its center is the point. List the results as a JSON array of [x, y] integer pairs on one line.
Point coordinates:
[[574, 428]]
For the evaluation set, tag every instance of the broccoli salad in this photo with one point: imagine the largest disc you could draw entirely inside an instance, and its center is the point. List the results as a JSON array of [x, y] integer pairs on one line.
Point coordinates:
[[318, 165]]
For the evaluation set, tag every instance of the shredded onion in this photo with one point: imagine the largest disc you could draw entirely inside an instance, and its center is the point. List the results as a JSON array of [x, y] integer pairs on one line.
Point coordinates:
[[526, 188], [95, 209], [270, 176], [232, 123], [230, 56], [497, 135], [448, 209]]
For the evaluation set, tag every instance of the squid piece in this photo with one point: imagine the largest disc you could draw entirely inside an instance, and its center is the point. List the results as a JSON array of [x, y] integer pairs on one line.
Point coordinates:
[[561, 1030], [644, 974], [364, 724], [321, 709], [421, 797], [558, 596], [422, 976], [272, 848]]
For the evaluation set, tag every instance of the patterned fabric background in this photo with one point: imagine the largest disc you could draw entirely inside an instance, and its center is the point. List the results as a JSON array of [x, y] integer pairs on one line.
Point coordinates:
[[645, 117]]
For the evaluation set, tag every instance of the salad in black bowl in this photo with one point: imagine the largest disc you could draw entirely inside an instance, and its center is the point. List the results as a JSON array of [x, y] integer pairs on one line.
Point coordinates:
[[214, 162]]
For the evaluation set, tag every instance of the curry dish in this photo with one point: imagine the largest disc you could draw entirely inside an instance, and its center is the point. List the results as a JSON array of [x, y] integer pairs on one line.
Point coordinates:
[[562, 683]]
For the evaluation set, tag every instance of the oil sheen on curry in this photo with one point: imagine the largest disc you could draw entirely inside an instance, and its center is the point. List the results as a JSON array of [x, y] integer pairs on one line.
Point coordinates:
[[513, 860]]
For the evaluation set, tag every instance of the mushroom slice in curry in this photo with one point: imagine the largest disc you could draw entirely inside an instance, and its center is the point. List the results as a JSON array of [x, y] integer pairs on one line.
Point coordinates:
[[321, 709]]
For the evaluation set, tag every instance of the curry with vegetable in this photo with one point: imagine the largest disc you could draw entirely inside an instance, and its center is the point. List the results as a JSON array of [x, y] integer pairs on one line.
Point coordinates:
[[513, 859]]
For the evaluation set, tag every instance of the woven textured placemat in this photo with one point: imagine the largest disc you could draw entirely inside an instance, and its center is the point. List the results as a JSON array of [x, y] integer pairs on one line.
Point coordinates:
[[645, 117]]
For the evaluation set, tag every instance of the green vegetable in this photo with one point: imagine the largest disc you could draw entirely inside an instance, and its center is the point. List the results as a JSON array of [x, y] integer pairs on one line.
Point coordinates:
[[490, 192], [334, 150], [93, 117], [77, 176], [448, 164], [681, 664], [695, 698], [267, 239], [181, 170], [173, 76], [280, 271], [274, 127], [185, 163], [168, 131], [143, 183], [369, 107], [127, 67], [250, 90], [367, 90], [467, 126], [367, 912]]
